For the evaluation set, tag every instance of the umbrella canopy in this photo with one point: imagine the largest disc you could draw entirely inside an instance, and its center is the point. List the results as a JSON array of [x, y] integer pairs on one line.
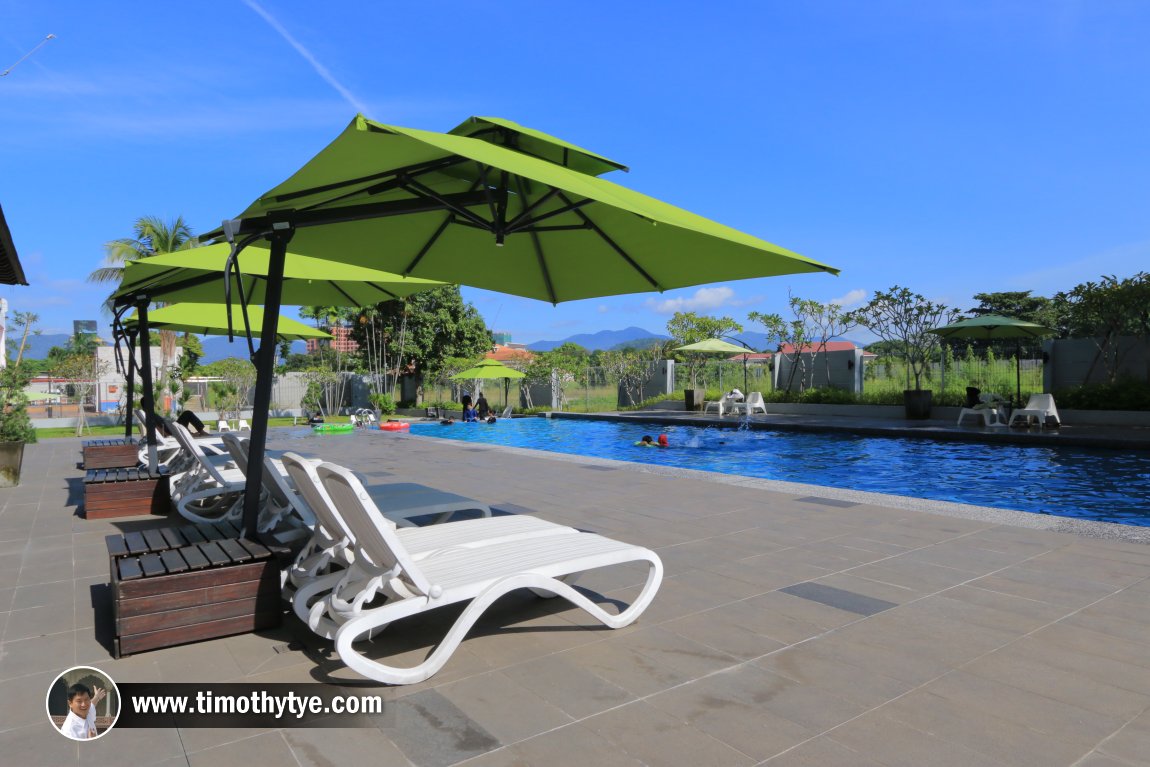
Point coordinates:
[[211, 319], [488, 369], [718, 346], [535, 143], [994, 327], [197, 275], [715, 345], [461, 209]]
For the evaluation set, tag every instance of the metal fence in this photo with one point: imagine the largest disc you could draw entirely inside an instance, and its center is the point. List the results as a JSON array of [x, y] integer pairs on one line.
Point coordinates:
[[951, 378]]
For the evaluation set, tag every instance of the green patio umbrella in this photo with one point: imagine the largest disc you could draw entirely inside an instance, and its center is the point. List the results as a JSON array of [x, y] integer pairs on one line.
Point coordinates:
[[483, 213], [211, 319], [992, 327], [197, 275], [719, 346], [491, 369]]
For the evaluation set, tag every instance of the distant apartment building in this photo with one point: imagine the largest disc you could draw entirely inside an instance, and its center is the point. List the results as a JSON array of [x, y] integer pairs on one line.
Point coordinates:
[[341, 341]]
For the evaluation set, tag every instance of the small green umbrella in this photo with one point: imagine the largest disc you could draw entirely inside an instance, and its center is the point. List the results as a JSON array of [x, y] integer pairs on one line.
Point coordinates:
[[719, 346], [211, 319], [491, 369], [488, 368], [994, 326]]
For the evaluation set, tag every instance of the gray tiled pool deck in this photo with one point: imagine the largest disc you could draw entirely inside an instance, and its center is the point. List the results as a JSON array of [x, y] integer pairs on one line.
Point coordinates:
[[796, 626]]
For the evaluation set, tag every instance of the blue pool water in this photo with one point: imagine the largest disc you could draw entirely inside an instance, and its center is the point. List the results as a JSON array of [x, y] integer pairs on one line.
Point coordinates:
[[1104, 485]]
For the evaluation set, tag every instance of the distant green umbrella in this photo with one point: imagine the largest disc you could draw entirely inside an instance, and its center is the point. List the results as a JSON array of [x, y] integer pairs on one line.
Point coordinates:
[[988, 327], [211, 319], [488, 368], [491, 369], [719, 346]]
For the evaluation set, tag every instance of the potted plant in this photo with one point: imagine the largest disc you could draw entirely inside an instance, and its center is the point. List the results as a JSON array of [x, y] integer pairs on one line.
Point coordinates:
[[16, 428], [902, 319], [383, 405]]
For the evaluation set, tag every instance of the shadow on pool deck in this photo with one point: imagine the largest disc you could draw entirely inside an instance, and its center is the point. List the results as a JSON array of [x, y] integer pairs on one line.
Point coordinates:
[[790, 628]]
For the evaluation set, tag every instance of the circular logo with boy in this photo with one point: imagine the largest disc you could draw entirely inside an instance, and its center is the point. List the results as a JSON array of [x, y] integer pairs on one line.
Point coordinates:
[[83, 703]]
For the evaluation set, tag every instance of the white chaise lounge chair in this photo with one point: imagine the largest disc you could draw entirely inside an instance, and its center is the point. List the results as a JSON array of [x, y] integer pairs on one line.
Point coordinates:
[[987, 411], [755, 402], [383, 566], [1039, 406], [322, 563]]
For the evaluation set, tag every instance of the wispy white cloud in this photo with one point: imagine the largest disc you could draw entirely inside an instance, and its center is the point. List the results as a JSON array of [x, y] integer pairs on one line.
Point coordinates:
[[703, 300], [603, 308], [852, 298], [1121, 261], [319, 68]]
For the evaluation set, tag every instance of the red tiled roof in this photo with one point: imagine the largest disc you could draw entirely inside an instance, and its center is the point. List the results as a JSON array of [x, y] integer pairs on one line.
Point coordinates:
[[509, 354], [831, 346]]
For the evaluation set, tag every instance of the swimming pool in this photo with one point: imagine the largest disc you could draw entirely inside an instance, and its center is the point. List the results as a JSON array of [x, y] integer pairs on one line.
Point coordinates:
[[1102, 485]]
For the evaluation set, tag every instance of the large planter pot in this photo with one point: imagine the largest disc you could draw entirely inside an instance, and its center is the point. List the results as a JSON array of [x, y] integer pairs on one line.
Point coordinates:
[[693, 398], [917, 402], [11, 456]]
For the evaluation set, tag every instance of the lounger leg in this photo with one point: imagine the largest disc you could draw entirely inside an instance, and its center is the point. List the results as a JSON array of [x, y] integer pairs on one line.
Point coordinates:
[[351, 631]]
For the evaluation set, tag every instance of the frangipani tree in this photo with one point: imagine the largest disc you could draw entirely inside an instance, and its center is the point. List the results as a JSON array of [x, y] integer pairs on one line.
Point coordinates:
[[904, 318]]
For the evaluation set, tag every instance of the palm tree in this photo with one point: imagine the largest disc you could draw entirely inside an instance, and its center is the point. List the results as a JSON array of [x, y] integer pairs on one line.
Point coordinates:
[[151, 236]]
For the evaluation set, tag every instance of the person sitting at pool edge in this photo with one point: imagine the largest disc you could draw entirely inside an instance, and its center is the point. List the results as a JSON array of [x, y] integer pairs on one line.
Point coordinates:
[[469, 415], [482, 409]]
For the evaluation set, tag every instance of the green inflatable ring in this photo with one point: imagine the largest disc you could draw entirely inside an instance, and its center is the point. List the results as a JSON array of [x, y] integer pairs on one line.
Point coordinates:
[[323, 428]]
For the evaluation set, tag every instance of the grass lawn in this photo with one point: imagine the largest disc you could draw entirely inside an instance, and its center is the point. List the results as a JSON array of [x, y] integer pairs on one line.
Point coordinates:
[[117, 431]]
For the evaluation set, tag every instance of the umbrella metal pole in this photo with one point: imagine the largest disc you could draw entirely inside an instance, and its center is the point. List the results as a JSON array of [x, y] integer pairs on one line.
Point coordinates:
[[265, 373], [131, 393], [147, 402], [1018, 371]]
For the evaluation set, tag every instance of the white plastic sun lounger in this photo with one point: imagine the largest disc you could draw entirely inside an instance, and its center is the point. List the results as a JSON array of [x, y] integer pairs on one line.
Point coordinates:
[[320, 565], [207, 493], [384, 566]]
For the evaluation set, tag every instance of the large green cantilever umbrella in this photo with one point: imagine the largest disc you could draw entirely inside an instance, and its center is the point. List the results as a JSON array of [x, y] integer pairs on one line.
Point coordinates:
[[478, 210], [993, 326], [211, 319], [719, 346]]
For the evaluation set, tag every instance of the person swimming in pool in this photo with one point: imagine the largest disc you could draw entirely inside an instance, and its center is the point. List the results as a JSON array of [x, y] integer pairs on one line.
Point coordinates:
[[647, 441]]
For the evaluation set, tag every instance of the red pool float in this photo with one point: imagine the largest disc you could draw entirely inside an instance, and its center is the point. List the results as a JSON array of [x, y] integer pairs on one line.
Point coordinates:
[[394, 426]]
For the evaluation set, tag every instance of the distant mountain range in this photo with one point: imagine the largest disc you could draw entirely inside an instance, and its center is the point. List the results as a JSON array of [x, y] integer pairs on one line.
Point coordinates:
[[632, 337], [604, 339], [215, 347]]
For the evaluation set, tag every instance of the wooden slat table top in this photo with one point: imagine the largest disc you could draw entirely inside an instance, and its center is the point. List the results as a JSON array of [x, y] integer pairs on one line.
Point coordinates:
[[194, 557], [173, 537], [234, 550], [155, 540], [130, 569], [214, 553], [136, 543], [152, 565]]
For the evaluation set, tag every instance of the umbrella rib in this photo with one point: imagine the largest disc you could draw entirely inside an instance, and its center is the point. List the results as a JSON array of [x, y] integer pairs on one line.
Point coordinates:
[[614, 245], [427, 246], [407, 170], [342, 292], [550, 214], [514, 223], [381, 289], [539, 251], [417, 188]]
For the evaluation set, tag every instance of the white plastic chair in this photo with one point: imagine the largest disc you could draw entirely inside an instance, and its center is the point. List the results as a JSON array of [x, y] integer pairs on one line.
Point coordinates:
[[243, 426], [222, 426], [988, 412], [755, 402], [1039, 406], [383, 566]]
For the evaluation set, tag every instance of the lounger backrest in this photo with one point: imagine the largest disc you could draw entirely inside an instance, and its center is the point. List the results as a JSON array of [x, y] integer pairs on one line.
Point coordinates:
[[282, 494], [303, 475], [186, 441], [375, 537]]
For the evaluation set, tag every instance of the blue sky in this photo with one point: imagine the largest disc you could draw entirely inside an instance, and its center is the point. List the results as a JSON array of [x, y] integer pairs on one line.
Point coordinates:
[[951, 147]]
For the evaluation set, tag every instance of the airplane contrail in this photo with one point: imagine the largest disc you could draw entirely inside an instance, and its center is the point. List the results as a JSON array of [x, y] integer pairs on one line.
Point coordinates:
[[320, 69], [26, 55]]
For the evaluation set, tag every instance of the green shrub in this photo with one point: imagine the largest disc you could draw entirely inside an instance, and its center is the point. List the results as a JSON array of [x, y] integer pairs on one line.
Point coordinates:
[[15, 423], [382, 402], [1123, 394]]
